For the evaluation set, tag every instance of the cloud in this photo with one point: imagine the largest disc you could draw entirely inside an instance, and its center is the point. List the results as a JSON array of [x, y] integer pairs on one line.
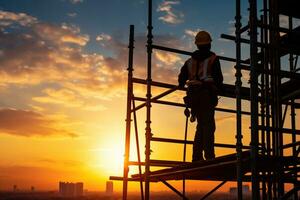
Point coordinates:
[[163, 63], [191, 33], [167, 58], [48, 53], [171, 16], [29, 123], [51, 57], [64, 34], [62, 96], [73, 14], [67, 98], [9, 18], [76, 1], [103, 39]]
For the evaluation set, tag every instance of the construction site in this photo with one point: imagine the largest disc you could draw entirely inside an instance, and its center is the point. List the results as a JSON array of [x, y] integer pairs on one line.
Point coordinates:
[[270, 162]]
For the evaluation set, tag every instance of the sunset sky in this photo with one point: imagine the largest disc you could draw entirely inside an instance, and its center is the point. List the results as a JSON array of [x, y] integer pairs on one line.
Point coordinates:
[[63, 84]]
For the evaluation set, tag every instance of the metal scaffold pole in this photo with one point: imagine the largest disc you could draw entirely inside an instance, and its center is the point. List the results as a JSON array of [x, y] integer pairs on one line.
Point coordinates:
[[266, 95], [263, 106], [293, 113], [276, 103], [238, 85], [148, 102], [253, 99], [128, 114]]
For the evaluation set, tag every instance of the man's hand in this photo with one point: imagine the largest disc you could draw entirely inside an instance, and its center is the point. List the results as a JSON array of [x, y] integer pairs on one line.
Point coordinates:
[[187, 112]]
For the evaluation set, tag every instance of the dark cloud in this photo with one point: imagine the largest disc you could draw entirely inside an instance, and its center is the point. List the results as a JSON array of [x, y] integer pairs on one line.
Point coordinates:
[[29, 123]]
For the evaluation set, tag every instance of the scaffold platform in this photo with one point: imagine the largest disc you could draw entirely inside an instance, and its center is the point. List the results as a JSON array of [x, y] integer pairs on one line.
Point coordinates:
[[221, 168]]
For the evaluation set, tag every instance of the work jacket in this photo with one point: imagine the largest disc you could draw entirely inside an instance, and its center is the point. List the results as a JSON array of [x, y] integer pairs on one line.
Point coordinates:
[[201, 69]]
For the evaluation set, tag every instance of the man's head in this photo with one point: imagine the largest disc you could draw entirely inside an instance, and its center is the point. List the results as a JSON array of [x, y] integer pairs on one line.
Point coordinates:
[[203, 41]]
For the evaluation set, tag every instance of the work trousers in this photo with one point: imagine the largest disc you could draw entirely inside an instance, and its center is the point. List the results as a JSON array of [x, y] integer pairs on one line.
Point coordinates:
[[202, 101]]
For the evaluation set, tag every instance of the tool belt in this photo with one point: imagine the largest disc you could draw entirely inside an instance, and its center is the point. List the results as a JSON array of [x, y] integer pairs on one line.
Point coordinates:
[[192, 88]]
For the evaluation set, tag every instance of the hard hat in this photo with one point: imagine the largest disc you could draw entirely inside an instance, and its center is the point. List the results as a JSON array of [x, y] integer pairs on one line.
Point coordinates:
[[202, 38]]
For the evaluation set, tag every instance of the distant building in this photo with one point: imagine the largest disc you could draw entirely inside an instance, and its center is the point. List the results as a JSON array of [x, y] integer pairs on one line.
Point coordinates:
[[15, 188], [32, 189], [109, 188], [67, 189], [79, 189], [245, 189]]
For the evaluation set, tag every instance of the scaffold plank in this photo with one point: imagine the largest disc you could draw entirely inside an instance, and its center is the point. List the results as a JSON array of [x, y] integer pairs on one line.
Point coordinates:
[[220, 168]]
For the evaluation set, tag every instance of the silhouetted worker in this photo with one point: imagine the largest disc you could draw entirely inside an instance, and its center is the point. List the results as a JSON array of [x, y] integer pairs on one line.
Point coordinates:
[[203, 76]]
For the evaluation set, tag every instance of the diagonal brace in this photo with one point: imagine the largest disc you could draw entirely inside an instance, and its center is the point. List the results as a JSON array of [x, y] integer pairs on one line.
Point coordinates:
[[174, 189], [156, 97], [213, 190]]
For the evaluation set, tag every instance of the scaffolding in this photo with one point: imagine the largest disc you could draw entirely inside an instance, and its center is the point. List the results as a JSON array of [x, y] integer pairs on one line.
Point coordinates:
[[272, 91]]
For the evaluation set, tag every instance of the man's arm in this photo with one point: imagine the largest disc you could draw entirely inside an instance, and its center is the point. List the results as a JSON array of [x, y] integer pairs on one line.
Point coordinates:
[[183, 76]]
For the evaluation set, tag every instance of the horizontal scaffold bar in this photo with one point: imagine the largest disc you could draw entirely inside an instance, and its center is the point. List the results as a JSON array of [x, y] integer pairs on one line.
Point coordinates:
[[181, 105], [120, 178], [246, 178], [162, 48], [246, 41], [228, 90], [191, 142], [159, 163], [283, 130], [283, 74]]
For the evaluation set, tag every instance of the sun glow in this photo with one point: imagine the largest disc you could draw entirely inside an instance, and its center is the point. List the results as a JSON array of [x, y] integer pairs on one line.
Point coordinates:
[[111, 159]]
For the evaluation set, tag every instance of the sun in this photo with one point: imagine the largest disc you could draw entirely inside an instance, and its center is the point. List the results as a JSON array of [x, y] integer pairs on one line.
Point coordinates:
[[112, 159]]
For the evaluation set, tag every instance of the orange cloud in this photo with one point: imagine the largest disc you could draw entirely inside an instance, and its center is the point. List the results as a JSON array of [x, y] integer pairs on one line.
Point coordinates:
[[168, 58], [29, 123], [68, 98], [8, 18], [61, 34], [62, 96], [50, 57]]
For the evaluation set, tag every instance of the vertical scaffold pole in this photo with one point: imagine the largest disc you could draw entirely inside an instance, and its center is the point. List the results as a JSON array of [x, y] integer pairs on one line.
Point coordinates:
[[262, 110], [293, 113], [128, 114], [148, 102], [276, 102], [253, 98], [267, 92], [238, 85]]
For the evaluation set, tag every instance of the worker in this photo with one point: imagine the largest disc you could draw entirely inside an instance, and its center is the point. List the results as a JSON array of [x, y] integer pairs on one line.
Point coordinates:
[[203, 76]]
